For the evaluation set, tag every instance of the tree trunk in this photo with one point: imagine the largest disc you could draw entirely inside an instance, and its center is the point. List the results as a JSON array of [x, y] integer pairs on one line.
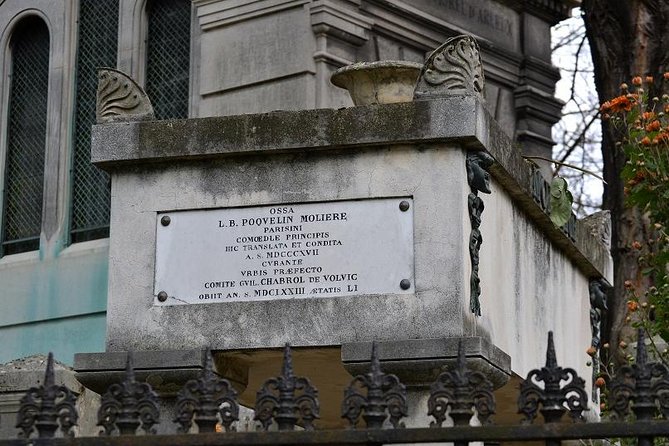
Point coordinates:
[[627, 38]]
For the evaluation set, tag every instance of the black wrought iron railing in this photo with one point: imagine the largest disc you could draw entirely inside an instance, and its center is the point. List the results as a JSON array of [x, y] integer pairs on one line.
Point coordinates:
[[374, 405]]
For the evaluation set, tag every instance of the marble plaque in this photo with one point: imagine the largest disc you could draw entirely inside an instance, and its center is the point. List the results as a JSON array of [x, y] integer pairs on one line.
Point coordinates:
[[291, 251]]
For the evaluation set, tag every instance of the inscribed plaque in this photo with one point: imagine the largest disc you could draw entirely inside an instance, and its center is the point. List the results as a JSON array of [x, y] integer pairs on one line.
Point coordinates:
[[291, 251]]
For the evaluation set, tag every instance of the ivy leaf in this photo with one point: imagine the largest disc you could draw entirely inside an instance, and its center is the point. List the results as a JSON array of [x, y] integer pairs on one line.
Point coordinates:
[[561, 201]]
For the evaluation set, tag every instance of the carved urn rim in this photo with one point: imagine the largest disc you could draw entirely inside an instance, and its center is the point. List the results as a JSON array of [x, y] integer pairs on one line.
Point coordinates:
[[398, 76]]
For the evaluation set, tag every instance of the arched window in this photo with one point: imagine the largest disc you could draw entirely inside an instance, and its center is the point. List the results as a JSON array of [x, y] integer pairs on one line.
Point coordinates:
[[96, 47], [168, 57], [26, 137]]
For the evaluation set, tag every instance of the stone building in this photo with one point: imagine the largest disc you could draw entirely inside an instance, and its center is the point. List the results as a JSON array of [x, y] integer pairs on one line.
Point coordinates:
[[200, 58]]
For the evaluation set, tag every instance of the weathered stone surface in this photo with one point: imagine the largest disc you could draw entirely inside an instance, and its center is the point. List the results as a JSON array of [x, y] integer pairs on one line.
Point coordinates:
[[137, 320], [418, 362], [459, 119]]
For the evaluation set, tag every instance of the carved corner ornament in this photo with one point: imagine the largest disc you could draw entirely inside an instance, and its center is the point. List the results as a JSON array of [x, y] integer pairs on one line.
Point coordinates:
[[454, 68], [120, 98], [478, 178]]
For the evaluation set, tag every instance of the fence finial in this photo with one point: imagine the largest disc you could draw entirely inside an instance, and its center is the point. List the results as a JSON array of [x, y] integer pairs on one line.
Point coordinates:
[[385, 397], [461, 389], [128, 405], [554, 399], [287, 399], [643, 383], [204, 399], [47, 407]]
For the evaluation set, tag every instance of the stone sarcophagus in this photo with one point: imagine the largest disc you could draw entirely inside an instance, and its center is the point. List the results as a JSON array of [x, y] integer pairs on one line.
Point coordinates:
[[412, 224]]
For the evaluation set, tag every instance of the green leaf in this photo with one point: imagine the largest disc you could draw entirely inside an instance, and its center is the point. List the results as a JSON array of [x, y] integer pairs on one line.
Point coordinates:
[[561, 201]]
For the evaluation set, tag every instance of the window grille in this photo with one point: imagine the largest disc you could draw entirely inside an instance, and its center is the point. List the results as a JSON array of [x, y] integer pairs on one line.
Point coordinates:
[[168, 57], [26, 138], [97, 47]]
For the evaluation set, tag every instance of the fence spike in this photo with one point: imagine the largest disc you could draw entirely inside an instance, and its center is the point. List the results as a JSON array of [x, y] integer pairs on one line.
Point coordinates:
[[644, 383], [461, 390], [385, 397], [287, 399], [128, 405], [555, 399], [47, 407], [204, 399]]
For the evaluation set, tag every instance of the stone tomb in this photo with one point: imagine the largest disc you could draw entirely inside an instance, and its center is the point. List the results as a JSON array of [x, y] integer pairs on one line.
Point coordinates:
[[330, 229]]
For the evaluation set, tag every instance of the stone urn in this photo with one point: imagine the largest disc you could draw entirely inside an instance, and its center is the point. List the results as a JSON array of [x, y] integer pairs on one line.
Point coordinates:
[[383, 82]]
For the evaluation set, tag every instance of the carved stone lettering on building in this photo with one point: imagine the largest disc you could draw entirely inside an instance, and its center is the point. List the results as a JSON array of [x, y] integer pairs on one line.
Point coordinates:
[[483, 18], [287, 251]]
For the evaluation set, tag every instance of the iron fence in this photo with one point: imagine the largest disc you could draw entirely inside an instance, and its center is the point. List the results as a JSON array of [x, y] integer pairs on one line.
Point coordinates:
[[373, 405]]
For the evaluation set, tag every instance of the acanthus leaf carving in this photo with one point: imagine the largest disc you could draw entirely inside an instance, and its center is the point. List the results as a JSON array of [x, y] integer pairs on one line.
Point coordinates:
[[454, 68], [120, 98]]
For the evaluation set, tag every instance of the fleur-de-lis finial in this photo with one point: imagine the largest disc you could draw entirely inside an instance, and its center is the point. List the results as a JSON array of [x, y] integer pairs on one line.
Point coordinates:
[[287, 399], [128, 405], [462, 390], [644, 383], [47, 407], [205, 399], [385, 397], [555, 399]]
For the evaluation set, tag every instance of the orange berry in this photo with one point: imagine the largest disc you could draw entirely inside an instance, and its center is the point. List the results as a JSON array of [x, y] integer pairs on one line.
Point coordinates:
[[636, 244], [632, 305], [602, 406], [636, 80], [591, 351], [645, 141], [649, 79], [600, 382], [666, 75]]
